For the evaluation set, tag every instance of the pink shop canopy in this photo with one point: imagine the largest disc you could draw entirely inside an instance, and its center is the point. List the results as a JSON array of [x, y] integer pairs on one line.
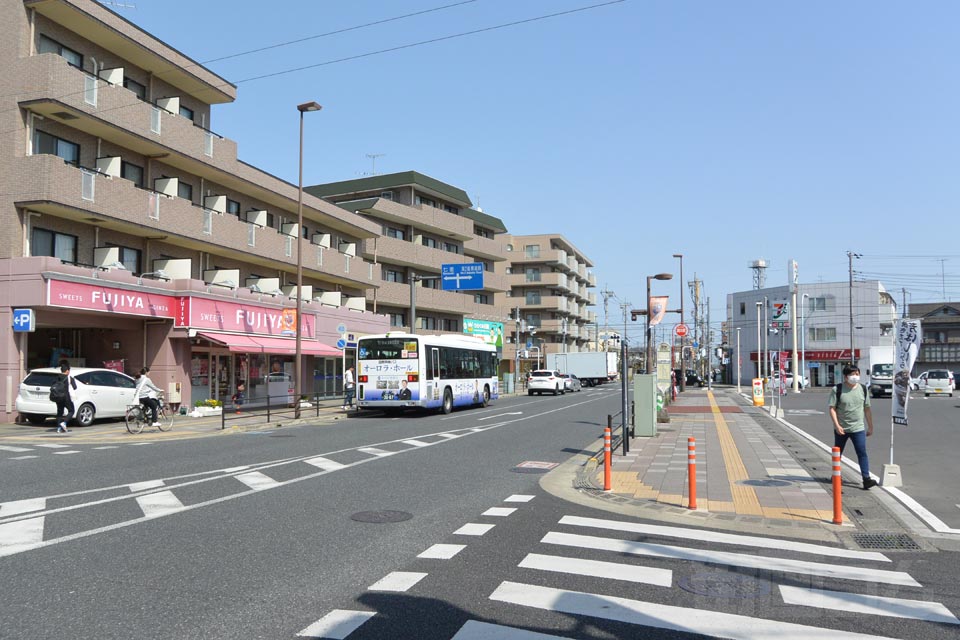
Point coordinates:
[[262, 344]]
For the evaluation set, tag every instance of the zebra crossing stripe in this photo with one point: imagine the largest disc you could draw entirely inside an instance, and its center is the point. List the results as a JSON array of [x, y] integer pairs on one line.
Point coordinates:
[[324, 463], [4, 447], [337, 625], [725, 538], [147, 484], [873, 605], [475, 630], [373, 451], [159, 504], [473, 529], [65, 453], [598, 569], [501, 512], [517, 497], [397, 581], [727, 558], [442, 551], [53, 446], [17, 507], [22, 457], [257, 481], [416, 443], [712, 624], [21, 535]]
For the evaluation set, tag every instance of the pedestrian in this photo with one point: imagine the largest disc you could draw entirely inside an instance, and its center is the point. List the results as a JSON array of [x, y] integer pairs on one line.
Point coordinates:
[[148, 393], [60, 393], [349, 389], [849, 409], [239, 397]]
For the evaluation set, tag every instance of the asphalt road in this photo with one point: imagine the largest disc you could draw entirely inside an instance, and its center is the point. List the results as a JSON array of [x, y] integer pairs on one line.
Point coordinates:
[[926, 449], [251, 536]]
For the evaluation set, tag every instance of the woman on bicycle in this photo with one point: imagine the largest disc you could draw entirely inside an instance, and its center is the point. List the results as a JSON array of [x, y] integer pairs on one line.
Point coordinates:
[[148, 393]]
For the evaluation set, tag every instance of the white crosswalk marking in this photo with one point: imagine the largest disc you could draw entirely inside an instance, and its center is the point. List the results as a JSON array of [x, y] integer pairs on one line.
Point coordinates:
[[17, 507], [65, 453], [699, 621], [449, 436], [442, 551], [498, 511], [112, 446], [725, 538], [519, 498], [732, 559], [147, 484], [257, 480], [22, 457], [4, 447], [476, 630], [416, 443], [159, 504], [373, 451], [474, 529], [324, 463], [397, 581], [53, 446], [598, 569], [337, 625], [21, 535], [875, 605]]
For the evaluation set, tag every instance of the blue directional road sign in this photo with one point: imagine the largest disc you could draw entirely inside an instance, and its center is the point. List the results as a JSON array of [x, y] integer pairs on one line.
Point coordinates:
[[461, 276], [341, 343], [24, 320]]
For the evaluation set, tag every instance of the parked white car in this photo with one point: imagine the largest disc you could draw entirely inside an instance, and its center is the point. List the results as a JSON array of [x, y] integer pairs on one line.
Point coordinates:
[[571, 382], [542, 381], [100, 393], [920, 382], [938, 381], [788, 380]]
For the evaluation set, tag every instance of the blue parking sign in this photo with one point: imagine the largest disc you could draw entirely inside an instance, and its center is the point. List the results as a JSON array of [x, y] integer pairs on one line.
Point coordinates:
[[24, 320]]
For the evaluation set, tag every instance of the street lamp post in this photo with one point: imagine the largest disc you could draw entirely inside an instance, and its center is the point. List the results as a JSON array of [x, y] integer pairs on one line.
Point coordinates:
[[683, 365], [659, 276], [298, 359], [803, 338], [738, 360], [759, 343]]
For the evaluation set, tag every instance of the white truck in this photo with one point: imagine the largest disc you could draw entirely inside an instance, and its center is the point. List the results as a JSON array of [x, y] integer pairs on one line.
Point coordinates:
[[879, 371], [592, 367]]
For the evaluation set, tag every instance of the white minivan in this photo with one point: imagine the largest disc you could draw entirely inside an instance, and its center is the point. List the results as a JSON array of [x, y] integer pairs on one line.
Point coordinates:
[[100, 393]]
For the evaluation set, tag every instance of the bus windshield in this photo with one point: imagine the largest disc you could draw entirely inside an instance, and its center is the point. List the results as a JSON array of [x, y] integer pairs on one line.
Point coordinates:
[[388, 349]]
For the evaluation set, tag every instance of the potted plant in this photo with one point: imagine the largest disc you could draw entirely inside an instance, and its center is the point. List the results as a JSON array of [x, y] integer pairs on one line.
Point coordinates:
[[208, 407]]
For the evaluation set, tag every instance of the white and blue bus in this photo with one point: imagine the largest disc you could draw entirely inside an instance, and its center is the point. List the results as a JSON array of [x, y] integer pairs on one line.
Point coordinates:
[[397, 370]]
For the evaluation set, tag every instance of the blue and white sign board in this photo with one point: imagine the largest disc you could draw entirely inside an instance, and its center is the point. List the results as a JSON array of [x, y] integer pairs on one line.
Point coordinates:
[[341, 343], [461, 276], [24, 320], [341, 328], [351, 339]]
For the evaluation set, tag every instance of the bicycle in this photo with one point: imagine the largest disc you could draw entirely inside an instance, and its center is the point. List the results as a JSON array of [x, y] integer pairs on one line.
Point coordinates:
[[137, 417]]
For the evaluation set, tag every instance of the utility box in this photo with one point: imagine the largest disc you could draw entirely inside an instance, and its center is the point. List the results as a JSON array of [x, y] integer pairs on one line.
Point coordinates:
[[645, 404]]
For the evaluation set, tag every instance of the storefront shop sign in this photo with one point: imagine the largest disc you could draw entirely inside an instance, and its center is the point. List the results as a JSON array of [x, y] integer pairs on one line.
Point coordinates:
[[202, 313], [824, 355], [75, 295]]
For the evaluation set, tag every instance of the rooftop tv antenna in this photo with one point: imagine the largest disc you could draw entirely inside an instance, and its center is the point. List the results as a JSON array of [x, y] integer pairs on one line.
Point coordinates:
[[759, 268], [373, 162]]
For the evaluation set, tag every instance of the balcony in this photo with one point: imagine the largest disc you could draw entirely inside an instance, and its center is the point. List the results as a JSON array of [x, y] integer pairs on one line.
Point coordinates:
[[553, 257], [546, 280], [409, 254], [65, 94], [429, 219], [591, 298], [434, 300], [486, 248], [551, 303], [65, 191], [591, 279]]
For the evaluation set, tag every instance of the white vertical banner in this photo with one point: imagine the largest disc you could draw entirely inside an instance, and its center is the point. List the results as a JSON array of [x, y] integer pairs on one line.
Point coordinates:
[[906, 348]]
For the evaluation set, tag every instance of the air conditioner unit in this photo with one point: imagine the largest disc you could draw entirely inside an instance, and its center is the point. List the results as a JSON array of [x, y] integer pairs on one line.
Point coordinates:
[[321, 239], [109, 165], [215, 203], [257, 217], [113, 76], [171, 104], [290, 229]]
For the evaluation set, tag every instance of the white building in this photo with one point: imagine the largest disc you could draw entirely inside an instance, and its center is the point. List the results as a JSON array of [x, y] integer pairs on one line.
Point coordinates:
[[822, 331]]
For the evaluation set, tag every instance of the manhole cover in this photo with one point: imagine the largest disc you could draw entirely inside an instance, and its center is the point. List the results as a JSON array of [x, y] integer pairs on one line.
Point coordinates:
[[897, 541], [765, 483], [381, 516], [534, 466], [724, 585]]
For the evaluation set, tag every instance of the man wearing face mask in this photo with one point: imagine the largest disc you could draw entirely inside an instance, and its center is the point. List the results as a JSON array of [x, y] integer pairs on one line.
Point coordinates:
[[849, 409]]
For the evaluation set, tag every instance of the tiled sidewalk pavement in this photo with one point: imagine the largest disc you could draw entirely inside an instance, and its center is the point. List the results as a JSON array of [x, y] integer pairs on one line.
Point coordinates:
[[741, 469]]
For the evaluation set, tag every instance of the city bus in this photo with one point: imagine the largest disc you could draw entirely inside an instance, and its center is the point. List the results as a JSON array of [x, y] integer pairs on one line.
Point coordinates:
[[398, 370]]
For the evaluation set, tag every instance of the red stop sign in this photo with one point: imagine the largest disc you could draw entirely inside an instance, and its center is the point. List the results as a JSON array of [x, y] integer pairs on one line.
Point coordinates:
[[681, 330]]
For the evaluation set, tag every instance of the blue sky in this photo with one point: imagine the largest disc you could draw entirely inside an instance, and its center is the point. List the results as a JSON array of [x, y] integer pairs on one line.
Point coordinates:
[[726, 131]]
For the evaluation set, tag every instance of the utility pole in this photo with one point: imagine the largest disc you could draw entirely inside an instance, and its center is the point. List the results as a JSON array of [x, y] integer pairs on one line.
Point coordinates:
[[607, 294], [850, 256], [903, 311], [709, 340]]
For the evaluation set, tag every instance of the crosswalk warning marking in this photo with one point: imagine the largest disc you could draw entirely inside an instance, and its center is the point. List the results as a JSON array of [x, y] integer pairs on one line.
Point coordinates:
[[442, 551], [473, 529], [727, 558], [373, 451], [476, 630], [498, 511], [862, 603], [337, 625], [65, 453], [17, 507], [598, 569], [4, 447], [397, 581], [146, 484], [257, 481], [21, 535], [324, 463], [661, 616], [416, 443], [53, 446], [22, 457], [159, 504], [519, 498]]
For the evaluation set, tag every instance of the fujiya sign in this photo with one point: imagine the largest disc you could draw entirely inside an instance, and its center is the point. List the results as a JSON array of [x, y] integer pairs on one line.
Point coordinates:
[[83, 296]]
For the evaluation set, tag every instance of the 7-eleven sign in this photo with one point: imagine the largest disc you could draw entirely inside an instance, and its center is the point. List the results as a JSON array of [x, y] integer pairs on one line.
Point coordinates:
[[781, 311]]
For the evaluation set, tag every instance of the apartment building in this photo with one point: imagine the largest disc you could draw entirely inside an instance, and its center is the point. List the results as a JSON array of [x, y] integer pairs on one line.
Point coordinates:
[[824, 311], [423, 224], [137, 236], [940, 323], [550, 281]]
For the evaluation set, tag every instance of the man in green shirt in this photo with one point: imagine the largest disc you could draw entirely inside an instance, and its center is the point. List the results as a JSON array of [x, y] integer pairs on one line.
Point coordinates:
[[849, 409]]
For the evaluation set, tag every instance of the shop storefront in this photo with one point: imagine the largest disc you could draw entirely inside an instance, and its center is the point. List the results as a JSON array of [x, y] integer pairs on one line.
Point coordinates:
[[824, 366]]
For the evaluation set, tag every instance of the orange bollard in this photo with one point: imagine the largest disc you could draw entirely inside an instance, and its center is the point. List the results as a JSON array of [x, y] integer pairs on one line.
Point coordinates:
[[837, 488], [692, 470], [607, 462]]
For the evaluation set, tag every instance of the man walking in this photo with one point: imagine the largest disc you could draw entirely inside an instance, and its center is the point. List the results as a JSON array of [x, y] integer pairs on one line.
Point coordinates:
[[349, 389], [60, 394], [849, 408]]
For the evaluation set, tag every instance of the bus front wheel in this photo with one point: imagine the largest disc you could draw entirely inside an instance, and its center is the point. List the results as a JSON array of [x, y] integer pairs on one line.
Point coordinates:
[[447, 401], [486, 396]]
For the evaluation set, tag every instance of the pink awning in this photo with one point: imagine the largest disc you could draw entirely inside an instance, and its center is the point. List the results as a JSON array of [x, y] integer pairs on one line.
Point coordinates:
[[239, 343]]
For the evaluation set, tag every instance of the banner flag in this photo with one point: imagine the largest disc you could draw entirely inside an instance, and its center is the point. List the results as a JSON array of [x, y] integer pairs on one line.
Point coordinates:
[[658, 308], [905, 351]]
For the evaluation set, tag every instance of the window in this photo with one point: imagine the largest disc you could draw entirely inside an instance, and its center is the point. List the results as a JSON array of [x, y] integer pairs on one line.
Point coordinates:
[[138, 89], [305, 232], [481, 298], [533, 297], [270, 220], [386, 195], [532, 251], [451, 247], [429, 242], [392, 275], [450, 324], [433, 283], [393, 232], [185, 190], [186, 112], [426, 202], [533, 274], [743, 308], [132, 172], [817, 304], [233, 207], [483, 233], [822, 334], [48, 45], [44, 242], [398, 320], [129, 258], [43, 142], [451, 209]]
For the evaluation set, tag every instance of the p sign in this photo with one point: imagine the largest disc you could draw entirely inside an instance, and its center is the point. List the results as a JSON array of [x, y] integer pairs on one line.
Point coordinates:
[[24, 320], [757, 392]]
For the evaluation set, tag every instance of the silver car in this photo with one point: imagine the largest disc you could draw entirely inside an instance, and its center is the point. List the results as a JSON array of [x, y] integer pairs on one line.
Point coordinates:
[[571, 382], [100, 393]]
